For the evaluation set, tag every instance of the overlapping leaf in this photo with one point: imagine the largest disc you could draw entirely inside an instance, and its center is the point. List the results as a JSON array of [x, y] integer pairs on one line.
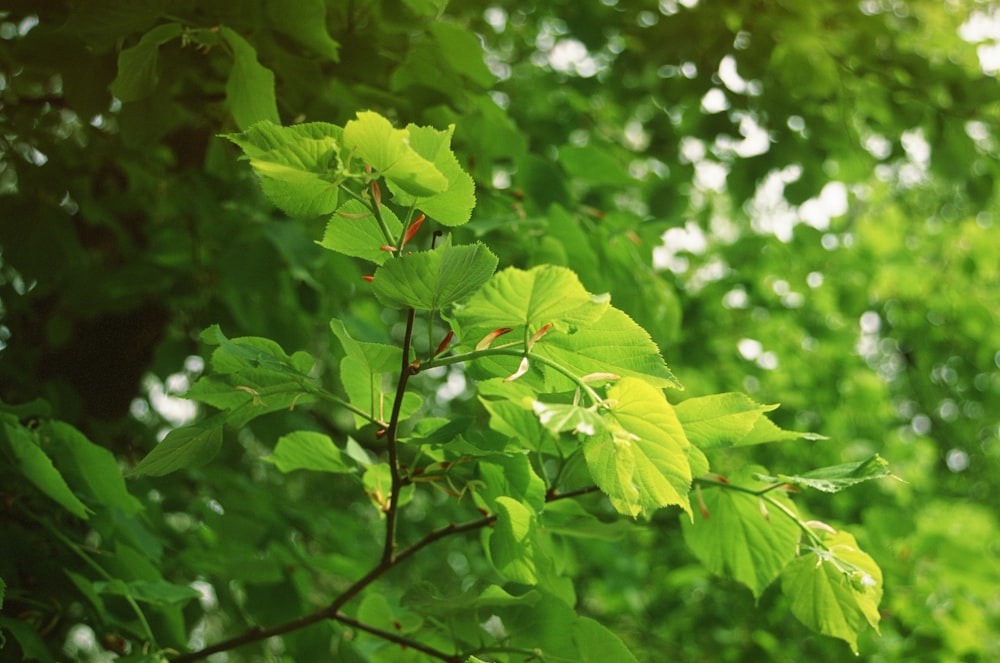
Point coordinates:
[[453, 206], [528, 300], [190, 446], [353, 230], [390, 154], [299, 166], [729, 420], [641, 460], [138, 66], [431, 280]]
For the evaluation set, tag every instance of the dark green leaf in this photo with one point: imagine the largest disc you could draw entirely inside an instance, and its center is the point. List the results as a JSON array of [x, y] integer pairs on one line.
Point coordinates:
[[190, 446], [250, 87]]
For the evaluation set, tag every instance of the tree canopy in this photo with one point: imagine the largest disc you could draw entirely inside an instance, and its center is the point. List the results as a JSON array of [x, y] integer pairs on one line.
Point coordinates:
[[443, 330]]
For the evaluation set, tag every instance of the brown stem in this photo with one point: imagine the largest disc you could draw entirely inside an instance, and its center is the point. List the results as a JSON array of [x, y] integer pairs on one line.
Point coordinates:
[[392, 509], [406, 643]]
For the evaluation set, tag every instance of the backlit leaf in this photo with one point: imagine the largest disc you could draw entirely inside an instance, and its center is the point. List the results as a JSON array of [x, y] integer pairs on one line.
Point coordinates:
[[512, 548], [837, 477], [641, 460], [453, 206], [388, 151]]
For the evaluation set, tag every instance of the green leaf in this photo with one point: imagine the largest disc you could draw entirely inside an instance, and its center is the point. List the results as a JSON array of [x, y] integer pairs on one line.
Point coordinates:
[[614, 344], [95, 466], [594, 165], [835, 590], [387, 150], [453, 206], [720, 420], [154, 592], [742, 537], [527, 300], [462, 52], [368, 373], [430, 280], [509, 477], [561, 417], [250, 86], [300, 167], [32, 646], [641, 460], [138, 72], [190, 446], [37, 467], [354, 231], [837, 477], [308, 450], [512, 548], [305, 22], [253, 353], [597, 644]]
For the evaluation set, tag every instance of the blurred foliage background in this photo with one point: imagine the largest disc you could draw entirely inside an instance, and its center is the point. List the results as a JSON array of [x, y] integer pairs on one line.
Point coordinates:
[[797, 200]]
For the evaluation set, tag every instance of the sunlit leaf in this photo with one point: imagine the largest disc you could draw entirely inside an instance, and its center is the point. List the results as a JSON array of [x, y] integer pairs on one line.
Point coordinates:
[[837, 477], [740, 536], [641, 463], [388, 151], [835, 590]]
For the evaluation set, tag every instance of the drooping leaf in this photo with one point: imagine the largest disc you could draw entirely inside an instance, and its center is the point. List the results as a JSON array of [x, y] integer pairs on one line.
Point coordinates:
[[353, 230], [740, 536], [31, 643], [36, 467], [300, 167], [453, 206], [837, 477], [597, 644], [308, 450], [305, 22], [640, 461], [835, 590], [388, 151], [250, 86], [94, 467], [462, 51], [155, 592], [189, 446], [431, 280], [138, 70], [512, 549]]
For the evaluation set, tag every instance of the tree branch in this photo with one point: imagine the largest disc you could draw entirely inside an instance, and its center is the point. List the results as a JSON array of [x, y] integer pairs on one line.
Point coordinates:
[[390, 436], [398, 639], [332, 611]]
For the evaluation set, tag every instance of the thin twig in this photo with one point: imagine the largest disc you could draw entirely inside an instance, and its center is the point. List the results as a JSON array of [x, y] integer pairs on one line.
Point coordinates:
[[405, 642]]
